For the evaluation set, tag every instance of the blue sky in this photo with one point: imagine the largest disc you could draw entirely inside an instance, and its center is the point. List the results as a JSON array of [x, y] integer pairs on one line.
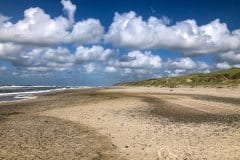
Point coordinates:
[[88, 42]]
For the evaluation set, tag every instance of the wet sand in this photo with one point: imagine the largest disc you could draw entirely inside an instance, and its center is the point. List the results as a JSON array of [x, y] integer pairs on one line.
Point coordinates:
[[123, 123]]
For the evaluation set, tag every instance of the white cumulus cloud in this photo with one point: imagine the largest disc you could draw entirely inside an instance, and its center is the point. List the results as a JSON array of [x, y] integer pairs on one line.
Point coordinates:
[[110, 69], [70, 9], [87, 31], [223, 65], [9, 51], [44, 60], [138, 59], [38, 28], [89, 68], [94, 53], [232, 57], [187, 63], [130, 31]]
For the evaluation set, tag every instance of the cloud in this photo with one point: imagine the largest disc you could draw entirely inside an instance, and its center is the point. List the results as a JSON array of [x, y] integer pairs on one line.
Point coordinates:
[[187, 63], [110, 69], [226, 65], [223, 65], [135, 64], [228, 59], [3, 69], [87, 31], [38, 28], [95, 53], [35, 59], [34, 42], [232, 57], [70, 9], [9, 51], [89, 68], [44, 60], [130, 31], [145, 65], [140, 60], [4, 19], [183, 63], [31, 43]]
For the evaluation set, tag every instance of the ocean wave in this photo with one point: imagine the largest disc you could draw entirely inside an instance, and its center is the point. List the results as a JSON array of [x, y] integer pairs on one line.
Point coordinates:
[[15, 93]]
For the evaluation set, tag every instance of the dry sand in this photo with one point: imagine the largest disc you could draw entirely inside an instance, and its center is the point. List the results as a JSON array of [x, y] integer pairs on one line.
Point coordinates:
[[124, 123]]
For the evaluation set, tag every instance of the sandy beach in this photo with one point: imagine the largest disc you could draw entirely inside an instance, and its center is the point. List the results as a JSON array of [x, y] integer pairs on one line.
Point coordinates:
[[123, 123]]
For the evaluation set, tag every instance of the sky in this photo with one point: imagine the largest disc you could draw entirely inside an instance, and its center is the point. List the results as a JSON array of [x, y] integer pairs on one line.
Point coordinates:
[[99, 43]]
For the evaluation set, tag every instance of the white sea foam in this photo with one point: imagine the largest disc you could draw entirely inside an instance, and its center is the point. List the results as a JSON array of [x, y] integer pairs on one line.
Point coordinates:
[[19, 86], [16, 96], [31, 92]]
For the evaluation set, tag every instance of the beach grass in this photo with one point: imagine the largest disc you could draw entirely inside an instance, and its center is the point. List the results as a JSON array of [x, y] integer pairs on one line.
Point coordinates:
[[219, 79]]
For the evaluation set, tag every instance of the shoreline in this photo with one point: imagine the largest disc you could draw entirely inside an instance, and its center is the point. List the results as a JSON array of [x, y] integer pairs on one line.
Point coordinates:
[[21, 96], [123, 123]]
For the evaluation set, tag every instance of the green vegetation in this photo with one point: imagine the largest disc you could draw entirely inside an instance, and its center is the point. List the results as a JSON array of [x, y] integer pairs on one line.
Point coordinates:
[[224, 78]]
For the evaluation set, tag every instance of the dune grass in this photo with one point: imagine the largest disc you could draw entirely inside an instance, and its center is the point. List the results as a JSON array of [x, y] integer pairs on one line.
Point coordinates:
[[224, 78]]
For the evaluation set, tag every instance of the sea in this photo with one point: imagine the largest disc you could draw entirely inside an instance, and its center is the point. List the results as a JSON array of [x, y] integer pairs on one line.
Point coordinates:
[[14, 93]]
